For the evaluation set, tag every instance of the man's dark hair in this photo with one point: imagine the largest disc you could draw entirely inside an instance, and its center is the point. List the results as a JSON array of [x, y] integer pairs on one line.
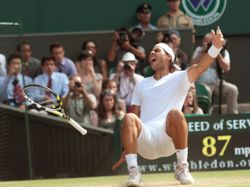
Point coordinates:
[[13, 56], [85, 43], [54, 45], [84, 54], [19, 46], [47, 58]]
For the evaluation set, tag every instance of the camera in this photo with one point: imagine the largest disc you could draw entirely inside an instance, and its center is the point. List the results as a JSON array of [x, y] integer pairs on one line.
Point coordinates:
[[78, 84], [126, 66], [123, 36], [134, 35]]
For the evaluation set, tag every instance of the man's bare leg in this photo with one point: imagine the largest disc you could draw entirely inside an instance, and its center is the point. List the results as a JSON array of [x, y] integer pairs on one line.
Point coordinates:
[[177, 129], [131, 128], [130, 131]]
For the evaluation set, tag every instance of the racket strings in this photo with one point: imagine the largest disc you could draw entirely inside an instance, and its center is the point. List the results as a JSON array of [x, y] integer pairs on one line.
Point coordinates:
[[43, 97]]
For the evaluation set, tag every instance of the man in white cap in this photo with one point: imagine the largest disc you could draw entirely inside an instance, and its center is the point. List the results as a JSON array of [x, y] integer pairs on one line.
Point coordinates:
[[127, 79], [157, 127]]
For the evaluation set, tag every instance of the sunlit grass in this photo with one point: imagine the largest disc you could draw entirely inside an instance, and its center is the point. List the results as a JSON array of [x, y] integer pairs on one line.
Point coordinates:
[[233, 178]]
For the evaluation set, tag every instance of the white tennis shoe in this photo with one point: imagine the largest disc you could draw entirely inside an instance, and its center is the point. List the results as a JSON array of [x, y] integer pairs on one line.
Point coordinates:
[[182, 174], [134, 179]]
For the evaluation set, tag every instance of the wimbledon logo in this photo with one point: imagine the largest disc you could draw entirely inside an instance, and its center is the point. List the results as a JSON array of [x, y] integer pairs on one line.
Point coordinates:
[[204, 12]]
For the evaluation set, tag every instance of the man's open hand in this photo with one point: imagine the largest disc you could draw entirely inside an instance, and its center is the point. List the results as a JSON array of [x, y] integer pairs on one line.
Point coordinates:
[[217, 38]]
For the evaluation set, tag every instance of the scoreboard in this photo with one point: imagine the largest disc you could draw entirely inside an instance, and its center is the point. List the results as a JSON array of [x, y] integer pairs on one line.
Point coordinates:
[[218, 142]]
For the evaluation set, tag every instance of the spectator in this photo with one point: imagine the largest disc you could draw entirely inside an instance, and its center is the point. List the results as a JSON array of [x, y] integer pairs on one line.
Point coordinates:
[[2, 65], [175, 18], [116, 70], [11, 84], [190, 104], [181, 56], [121, 44], [63, 64], [56, 81], [31, 65], [109, 113], [78, 103], [144, 17], [127, 79], [91, 80], [162, 37], [111, 85], [211, 76], [100, 65]]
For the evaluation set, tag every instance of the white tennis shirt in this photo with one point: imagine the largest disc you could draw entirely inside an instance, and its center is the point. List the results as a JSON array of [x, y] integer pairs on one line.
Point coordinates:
[[157, 97]]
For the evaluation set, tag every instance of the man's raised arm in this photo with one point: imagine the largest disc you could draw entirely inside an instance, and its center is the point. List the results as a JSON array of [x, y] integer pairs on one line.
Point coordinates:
[[207, 59]]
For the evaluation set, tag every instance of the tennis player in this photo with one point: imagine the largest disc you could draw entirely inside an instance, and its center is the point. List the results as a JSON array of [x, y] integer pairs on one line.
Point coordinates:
[[157, 127]]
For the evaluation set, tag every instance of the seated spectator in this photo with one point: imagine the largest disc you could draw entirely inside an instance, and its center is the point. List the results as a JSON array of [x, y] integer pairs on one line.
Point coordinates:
[[121, 44], [182, 57], [190, 104], [127, 79], [100, 65], [78, 103], [162, 37], [56, 81], [116, 70], [2, 65], [63, 64], [212, 77], [111, 85], [91, 80], [108, 111], [31, 65], [144, 17], [11, 92]]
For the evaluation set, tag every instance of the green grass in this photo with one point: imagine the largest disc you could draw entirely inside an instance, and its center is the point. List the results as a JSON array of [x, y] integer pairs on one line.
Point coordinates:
[[233, 178]]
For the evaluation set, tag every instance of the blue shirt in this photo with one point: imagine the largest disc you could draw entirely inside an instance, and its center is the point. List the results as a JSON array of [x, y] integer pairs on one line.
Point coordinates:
[[150, 27], [59, 82], [67, 67], [7, 87]]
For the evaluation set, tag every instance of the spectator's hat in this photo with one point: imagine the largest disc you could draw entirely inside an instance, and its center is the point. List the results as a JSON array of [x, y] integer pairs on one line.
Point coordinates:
[[144, 8], [129, 60], [129, 57]]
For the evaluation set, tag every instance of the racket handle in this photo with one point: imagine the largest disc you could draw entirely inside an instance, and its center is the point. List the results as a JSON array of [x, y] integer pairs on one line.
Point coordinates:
[[77, 126]]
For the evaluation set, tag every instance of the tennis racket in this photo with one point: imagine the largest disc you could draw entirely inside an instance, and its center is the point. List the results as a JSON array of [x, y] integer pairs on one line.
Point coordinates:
[[43, 98]]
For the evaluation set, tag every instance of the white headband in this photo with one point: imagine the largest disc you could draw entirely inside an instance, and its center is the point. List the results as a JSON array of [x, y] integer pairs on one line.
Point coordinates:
[[167, 49]]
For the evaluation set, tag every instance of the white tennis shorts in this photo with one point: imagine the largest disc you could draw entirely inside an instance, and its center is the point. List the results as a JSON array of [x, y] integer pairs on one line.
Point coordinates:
[[154, 143]]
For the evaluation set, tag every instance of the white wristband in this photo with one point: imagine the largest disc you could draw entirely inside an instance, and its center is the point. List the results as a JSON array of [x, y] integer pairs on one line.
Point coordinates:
[[213, 51]]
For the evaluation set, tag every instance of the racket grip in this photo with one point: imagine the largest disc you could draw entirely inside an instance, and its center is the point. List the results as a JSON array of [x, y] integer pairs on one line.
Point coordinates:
[[77, 126]]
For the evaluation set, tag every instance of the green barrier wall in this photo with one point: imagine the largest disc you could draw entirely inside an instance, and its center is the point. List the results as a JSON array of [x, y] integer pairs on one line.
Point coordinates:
[[57, 150], [63, 16]]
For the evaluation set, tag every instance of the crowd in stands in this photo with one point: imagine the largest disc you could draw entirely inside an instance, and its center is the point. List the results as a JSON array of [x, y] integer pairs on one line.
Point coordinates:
[[94, 93]]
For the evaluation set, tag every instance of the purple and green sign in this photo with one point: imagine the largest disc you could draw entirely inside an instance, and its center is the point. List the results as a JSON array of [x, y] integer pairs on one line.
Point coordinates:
[[204, 12]]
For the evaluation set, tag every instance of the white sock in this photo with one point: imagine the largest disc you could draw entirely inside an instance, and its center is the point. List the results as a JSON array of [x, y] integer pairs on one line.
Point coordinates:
[[182, 155], [131, 160]]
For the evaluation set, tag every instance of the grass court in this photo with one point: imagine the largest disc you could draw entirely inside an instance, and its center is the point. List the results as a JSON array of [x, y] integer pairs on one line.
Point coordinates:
[[232, 178]]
